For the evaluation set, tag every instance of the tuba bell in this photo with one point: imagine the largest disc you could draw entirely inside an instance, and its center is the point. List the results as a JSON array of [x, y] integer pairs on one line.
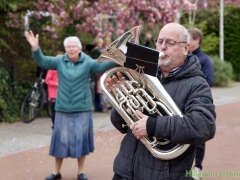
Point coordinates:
[[141, 92]]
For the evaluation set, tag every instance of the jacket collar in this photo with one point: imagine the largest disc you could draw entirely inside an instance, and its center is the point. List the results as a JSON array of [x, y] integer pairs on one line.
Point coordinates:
[[196, 51], [81, 57], [190, 68]]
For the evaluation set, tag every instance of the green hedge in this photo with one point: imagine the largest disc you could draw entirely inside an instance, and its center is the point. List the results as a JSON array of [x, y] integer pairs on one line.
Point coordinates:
[[232, 38], [11, 95], [223, 72]]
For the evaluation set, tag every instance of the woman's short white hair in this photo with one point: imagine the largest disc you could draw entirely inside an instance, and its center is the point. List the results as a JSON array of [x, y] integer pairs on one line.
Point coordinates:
[[74, 39]]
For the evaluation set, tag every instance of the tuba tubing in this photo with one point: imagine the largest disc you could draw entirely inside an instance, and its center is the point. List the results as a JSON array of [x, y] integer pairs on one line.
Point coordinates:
[[153, 83], [115, 53]]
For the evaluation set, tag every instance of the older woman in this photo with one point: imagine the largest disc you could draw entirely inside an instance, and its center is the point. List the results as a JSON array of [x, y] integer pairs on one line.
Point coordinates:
[[73, 129]]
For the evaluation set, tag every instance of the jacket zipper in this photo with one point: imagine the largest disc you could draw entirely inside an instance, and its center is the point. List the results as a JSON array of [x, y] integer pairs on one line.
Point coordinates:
[[71, 82]]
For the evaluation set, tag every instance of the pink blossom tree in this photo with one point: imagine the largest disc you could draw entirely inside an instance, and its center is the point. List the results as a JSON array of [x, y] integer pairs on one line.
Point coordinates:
[[86, 15]]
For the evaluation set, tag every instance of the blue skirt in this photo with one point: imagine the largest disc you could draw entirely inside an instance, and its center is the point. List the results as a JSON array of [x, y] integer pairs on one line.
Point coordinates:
[[72, 135]]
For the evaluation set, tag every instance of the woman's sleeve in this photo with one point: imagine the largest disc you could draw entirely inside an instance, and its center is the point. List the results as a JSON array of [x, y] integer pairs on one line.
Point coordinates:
[[46, 62]]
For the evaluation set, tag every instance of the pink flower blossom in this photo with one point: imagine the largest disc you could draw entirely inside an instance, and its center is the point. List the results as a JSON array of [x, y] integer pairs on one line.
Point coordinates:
[[128, 13]]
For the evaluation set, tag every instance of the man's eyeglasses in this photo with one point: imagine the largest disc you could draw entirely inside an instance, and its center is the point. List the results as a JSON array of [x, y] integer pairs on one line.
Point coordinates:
[[168, 42], [71, 47]]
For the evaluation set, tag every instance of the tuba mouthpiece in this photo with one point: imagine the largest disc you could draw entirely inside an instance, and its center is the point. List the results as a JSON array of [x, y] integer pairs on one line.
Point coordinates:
[[161, 54]]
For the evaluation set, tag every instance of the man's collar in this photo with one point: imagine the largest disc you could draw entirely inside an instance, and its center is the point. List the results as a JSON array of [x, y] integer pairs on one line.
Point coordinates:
[[196, 51], [171, 73]]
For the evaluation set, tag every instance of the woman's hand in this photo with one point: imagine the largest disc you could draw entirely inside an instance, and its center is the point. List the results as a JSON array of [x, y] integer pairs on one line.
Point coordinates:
[[33, 40]]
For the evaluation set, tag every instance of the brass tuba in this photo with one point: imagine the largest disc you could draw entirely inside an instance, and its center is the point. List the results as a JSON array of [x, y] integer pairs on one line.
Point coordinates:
[[141, 92]]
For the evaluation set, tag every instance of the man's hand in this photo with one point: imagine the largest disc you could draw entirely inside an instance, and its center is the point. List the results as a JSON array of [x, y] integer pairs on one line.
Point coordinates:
[[33, 40], [139, 128], [111, 83]]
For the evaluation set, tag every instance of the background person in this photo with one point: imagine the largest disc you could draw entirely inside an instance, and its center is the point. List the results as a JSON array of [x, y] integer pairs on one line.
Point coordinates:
[[102, 97], [107, 40], [73, 128], [52, 82], [101, 100], [207, 68], [181, 76], [95, 51], [148, 39]]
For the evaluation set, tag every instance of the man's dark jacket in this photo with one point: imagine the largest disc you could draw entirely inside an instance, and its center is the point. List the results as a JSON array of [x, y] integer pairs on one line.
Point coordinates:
[[192, 95], [207, 66]]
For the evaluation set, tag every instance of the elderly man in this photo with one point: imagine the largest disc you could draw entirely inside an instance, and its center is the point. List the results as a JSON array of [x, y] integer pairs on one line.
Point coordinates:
[[180, 74]]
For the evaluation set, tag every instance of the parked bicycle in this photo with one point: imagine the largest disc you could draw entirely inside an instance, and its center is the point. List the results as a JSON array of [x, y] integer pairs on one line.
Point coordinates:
[[35, 101]]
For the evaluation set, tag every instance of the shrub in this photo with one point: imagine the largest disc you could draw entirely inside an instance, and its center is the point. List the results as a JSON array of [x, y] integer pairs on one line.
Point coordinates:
[[232, 38], [237, 76], [11, 95], [223, 72]]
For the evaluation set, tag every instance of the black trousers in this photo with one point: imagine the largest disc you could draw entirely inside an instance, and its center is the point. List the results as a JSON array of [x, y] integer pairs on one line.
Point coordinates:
[[117, 177], [199, 156], [53, 111]]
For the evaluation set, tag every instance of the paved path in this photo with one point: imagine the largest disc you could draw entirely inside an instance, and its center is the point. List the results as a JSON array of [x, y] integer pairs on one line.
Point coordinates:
[[225, 95], [18, 137], [24, 147]]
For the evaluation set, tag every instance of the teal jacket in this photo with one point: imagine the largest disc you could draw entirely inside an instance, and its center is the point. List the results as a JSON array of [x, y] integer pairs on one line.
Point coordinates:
[[74, 94]]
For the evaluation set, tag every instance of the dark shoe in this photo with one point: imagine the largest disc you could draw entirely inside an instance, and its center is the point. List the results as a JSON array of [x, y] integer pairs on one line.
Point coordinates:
[[82, 176], [53, 176]]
